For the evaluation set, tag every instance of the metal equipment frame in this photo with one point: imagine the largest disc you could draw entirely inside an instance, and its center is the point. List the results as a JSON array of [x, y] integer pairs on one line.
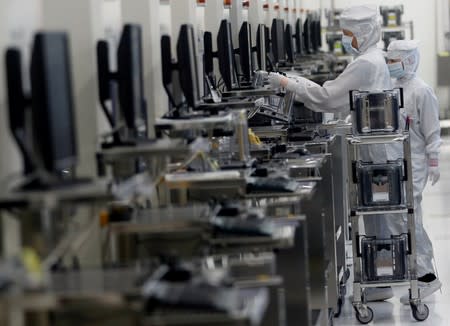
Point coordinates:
[[364, 313]]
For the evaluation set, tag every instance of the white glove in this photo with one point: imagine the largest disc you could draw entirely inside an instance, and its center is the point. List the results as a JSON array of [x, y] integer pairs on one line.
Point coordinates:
[[275, 80], [433, 169], [261, 74]]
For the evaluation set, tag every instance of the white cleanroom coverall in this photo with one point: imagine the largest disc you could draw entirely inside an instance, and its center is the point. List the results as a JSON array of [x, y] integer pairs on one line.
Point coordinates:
[[422, 107]]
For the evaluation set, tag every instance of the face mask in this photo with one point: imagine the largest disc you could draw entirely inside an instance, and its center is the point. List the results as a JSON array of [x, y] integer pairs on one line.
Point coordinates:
[[396, 70], [347, 44]]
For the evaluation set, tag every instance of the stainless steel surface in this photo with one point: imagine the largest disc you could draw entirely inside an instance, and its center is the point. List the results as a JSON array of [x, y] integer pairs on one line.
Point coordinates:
[[159, 220], [95, 191], [304, 190], [250, 93], [340, 190], [223, 120], [114, 295], [294, 265], [271, 132], [322, 226], [282, 237], [160, 148], [206, 185], [377, 139], [367, 212], [233, 105]]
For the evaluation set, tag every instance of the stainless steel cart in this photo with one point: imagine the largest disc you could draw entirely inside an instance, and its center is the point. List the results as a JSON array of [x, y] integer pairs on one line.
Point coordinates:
[[367, 251]]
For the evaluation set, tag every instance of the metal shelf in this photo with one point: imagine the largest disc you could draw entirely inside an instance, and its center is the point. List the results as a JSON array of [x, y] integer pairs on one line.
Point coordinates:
[[381, 211], [388, 283], [377, 139]]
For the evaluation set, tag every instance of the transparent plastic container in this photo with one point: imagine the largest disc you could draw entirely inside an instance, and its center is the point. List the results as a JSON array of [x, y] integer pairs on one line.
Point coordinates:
[[380, 184], [376, 112], [384, 260]]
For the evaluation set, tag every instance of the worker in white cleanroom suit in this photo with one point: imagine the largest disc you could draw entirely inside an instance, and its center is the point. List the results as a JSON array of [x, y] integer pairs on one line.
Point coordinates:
[[422, 107], [362, 31]]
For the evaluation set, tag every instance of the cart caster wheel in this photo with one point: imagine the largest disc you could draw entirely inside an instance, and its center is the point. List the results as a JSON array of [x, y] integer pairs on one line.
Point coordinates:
[[367, 318], [420, 314]]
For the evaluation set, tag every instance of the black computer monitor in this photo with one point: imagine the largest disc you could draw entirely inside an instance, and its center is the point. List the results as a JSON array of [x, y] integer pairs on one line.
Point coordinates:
[[314, 40], [17, 104], [319, 31], [307, 35], [262, 46], [245, 50], [126, 86], [316, 35], [171, 77], [289, 43], [225, 52], [131, 81], [277, 39], [52, 146], [187, 65], [167, 64], [299, 49], [208, 55], [104, 76], [52, 102]]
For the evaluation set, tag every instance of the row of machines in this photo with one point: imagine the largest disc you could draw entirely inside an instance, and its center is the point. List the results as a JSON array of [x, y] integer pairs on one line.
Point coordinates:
[[234, 214]]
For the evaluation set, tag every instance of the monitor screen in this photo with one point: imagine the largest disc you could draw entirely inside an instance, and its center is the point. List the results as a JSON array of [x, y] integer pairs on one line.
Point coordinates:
[[319, 32], [316, 37], [16, 96], [299, 49], [245, 50], [104, 80], [208, 55], [226, 55], [52, 103], [187, 65], [166, 60], [168, 69], [263, 46], [278, 48], [17, 104], [307, 35], [130, 79], [289, 43]]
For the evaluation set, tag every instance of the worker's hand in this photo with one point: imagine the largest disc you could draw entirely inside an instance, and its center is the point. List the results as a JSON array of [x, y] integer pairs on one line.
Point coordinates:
[[433, 169], [261, 74], [277, 80]]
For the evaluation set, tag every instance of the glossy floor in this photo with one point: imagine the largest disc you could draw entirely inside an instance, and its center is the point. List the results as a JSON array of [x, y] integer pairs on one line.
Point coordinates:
[[436, 206]]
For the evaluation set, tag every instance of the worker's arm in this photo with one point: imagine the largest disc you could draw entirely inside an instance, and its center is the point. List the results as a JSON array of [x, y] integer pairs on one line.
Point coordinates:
[[333, 96], [430, 128]]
